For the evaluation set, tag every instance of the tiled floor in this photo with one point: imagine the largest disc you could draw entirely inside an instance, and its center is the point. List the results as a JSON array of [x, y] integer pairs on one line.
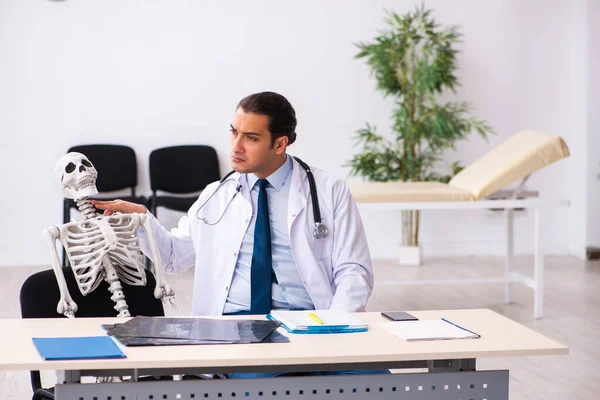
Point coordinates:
[[572, 317]]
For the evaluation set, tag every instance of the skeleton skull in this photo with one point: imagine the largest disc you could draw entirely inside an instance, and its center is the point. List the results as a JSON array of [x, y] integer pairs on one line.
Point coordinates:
[[76, 175]]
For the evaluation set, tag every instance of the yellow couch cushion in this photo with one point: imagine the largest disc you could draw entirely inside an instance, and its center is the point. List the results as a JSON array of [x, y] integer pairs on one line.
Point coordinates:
[[386, 192], [519, 156]]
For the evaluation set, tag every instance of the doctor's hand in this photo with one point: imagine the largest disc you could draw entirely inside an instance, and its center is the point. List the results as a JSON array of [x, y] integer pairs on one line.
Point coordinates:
[[120, 206]]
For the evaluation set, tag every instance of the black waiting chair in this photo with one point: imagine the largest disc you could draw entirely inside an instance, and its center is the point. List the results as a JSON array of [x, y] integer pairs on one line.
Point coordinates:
[[117, 170], [40, 295], [181, 170]]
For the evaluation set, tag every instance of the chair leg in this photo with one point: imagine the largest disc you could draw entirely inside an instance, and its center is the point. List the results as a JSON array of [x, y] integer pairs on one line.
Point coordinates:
[[44, 394], [36, 380]]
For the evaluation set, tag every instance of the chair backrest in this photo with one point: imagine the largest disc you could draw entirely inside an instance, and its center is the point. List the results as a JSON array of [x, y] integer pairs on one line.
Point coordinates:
[[519, 156], [40, 295], [116, 165], [183, 169]]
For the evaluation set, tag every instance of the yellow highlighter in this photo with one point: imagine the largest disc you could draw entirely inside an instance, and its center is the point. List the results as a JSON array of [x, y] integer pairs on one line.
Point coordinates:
[[316, 318]]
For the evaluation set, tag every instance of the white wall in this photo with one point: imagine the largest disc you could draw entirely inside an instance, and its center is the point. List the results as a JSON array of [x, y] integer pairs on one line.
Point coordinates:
[[584, 105], [593, 205], [156, 73], [578, 108]]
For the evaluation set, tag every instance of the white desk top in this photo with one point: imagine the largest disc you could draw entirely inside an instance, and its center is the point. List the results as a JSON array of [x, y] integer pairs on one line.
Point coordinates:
[[500, 337]]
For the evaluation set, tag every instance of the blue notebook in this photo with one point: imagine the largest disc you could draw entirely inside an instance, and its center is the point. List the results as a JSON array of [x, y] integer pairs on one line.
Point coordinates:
[[77, 348]]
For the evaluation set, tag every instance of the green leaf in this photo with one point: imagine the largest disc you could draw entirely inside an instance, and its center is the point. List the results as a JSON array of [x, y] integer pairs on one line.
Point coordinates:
[[413, 60]]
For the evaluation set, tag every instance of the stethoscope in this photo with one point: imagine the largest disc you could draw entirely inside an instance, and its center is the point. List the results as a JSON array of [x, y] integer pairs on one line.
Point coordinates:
[[320, 231]]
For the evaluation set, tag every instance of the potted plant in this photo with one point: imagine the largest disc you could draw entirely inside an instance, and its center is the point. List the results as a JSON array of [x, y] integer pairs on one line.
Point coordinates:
[[414, 62]]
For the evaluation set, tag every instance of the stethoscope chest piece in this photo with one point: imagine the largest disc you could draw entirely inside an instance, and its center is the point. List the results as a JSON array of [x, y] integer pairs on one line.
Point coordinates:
[[320, 231]]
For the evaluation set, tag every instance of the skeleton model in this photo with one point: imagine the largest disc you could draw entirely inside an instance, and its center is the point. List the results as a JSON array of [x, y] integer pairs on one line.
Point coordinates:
[[100, 247]]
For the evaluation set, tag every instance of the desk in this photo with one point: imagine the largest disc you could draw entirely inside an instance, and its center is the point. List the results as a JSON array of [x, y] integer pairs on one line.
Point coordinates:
[[451, 364]]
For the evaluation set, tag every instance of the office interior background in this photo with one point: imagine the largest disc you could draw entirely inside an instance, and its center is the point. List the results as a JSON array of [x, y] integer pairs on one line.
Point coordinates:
[[150, 74]]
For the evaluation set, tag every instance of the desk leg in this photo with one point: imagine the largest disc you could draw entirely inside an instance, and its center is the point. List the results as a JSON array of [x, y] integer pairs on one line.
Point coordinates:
[[68, 376], [538, 267], [435, 366], [508, 262]]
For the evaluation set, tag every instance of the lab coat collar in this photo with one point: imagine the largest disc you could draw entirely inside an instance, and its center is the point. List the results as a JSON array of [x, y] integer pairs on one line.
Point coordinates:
[[300, 184]]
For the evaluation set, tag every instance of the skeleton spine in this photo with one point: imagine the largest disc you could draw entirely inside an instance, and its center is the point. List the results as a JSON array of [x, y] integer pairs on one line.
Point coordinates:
[[116, 289], [86, 207]]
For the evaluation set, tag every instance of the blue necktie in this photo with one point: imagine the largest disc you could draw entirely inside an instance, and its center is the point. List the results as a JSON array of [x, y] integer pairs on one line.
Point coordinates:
[[261, 267]]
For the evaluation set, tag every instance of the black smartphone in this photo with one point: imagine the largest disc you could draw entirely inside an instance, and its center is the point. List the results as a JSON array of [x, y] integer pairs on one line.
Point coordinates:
[[399, 316]]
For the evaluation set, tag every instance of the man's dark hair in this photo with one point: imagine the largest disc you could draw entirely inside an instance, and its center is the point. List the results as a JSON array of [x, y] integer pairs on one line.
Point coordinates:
[[282, 117]]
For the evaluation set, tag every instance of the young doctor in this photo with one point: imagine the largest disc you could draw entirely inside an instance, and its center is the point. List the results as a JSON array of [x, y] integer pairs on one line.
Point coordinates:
[[262, 238]]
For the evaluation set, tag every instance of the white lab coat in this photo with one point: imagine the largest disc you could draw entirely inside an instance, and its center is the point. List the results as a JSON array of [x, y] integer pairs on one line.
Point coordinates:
[[336, 270]]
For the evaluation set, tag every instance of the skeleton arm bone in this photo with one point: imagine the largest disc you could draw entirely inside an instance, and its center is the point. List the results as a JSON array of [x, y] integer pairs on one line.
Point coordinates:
[[162, 288], [163, 291], [66, 305]]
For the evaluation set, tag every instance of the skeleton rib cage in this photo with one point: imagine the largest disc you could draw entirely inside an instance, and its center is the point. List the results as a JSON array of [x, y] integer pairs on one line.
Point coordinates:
[[89, 243]]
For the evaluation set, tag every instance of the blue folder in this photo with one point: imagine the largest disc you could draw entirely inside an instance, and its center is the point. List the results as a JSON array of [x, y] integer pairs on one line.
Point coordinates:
[[77, 348]]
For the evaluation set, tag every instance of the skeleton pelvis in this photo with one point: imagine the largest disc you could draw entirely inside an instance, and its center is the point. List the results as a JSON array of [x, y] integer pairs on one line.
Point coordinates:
[[114, 239]]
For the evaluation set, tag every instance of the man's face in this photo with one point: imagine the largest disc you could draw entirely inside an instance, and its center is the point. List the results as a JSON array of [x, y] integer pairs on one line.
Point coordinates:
[[251, 150]]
